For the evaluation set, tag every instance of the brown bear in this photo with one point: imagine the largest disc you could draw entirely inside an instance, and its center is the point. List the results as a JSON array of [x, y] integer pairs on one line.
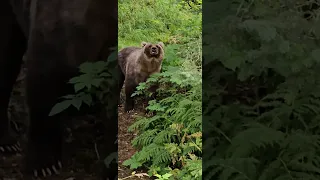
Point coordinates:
[[55, 37], [137, 64]]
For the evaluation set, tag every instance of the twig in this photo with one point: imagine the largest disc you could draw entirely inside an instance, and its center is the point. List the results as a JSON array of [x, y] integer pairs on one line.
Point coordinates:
[[96, 150]]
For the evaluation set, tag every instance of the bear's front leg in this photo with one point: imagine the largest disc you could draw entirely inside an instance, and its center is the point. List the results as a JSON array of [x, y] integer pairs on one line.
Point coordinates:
[[44, 147], [130, 87], [12, 48], [46, 81], [43, 155]]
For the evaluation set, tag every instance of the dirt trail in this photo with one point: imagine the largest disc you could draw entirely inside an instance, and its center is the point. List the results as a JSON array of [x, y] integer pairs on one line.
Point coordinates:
[[125, 150], [83, 158]]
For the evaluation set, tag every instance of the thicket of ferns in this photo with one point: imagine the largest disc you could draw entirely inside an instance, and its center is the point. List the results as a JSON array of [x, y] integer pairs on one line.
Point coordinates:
[[170, 141], [261, 92]]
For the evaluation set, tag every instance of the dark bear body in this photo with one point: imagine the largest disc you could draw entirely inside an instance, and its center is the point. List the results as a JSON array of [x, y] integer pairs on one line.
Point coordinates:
[[56, 37], [137, 64]]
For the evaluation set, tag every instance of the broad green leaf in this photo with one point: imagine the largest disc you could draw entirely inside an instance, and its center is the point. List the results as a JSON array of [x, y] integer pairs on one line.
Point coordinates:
[[105, 75], [96, 82], [70, 96], [284, 47], [79, 86], [233, 62], [98, 67], [113, 56], [86, 67], [59, 107], [166, 176], [77, 103], [75, 80], [132, 162], [316, 55], [87, 99]]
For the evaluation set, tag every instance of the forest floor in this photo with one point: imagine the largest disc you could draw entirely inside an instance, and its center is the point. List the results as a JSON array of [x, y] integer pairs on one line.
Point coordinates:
[[83, 156]]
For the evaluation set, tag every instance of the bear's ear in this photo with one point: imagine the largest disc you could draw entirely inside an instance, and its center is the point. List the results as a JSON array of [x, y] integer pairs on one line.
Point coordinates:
[[161, 44], [143, 44]]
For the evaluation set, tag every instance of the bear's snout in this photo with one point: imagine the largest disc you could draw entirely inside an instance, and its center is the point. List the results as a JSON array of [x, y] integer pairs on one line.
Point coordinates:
[[154, 50]]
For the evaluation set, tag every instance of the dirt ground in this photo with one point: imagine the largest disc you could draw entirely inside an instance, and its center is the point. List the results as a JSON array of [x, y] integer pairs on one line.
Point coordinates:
[[125, 150], [83, 158]]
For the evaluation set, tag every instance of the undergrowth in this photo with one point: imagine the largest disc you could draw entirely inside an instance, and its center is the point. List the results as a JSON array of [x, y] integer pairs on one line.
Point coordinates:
[[169, 21], [171, 139], [261, 92], [169, 142]]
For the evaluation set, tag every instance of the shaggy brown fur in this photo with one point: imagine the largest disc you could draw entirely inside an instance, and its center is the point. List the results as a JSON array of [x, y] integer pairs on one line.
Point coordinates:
[[137, 64], [55, 37]]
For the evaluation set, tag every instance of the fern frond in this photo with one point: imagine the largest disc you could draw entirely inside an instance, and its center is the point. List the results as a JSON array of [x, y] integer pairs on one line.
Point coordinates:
[[154, 152], [254, 137], [227, 169], [145, 138], [164, 136]]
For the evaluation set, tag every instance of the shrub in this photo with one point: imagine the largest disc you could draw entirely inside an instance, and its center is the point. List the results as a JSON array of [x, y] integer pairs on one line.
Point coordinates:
[[263, 124], [170, 141]]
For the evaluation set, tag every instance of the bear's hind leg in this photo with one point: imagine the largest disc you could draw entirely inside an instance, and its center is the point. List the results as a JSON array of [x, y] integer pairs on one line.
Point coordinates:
[[121, 82], [130, 87], [12, 48]]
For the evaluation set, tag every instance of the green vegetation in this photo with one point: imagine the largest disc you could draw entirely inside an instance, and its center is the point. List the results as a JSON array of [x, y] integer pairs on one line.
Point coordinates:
[[263, 124], [169, 141], [151, 20]]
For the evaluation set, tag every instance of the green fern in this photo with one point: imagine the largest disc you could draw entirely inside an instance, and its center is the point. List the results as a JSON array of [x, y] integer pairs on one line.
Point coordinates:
[[267, 114], [145, 138], [172, 137]]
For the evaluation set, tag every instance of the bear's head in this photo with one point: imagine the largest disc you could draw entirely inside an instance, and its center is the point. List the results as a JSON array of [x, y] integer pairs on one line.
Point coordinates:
[[153, 50]]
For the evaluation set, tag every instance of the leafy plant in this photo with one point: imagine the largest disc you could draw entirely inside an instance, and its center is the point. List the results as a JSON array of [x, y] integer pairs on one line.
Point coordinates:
[[94, 76], [170, 141], [261, 100], [96, 81]]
